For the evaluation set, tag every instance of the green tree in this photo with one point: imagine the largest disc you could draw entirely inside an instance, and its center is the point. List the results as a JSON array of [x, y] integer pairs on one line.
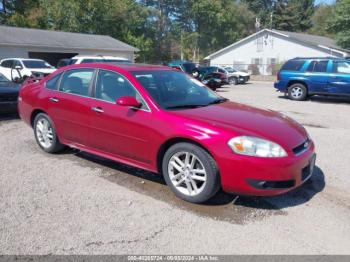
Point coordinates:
[[293, 15], [262, 10], [214, 24], [320, 20], [339, 23]]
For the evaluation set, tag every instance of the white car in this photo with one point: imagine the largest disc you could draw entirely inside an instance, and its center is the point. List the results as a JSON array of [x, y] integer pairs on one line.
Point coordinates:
[[16, 68], [236, 76], [80, 59]]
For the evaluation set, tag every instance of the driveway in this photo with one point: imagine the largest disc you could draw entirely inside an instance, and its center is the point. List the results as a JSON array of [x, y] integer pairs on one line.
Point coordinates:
[[75, 203]]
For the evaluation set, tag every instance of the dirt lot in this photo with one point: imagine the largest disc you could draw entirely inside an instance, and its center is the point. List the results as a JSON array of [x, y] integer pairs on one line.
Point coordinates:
[[74, 203]]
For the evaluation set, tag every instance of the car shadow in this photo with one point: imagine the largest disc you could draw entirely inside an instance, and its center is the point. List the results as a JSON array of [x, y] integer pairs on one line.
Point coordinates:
[[223, 206], [298, 196], [154, 185], [324, 99], [10, 116]]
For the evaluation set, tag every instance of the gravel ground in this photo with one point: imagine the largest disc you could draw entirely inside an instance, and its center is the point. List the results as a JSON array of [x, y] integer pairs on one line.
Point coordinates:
[[75, 203]]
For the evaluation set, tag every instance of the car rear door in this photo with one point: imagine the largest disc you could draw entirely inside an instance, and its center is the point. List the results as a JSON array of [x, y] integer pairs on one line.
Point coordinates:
[[339, 79], [118, 130], [317, 75], [69, 105]]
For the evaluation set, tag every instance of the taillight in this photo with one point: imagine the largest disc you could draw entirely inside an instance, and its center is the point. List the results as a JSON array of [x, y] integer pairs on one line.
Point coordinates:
[[278, 76]]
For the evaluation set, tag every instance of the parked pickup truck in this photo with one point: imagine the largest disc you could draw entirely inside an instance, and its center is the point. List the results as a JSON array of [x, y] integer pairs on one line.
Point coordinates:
[[303, 77]]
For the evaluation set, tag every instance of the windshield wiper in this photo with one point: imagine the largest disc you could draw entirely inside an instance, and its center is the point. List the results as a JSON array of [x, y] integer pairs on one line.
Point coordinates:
[[184, 106], [218, 101]]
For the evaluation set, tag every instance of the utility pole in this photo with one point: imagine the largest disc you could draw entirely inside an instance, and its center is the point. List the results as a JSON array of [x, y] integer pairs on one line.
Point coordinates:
[[181, 46], [271, 20]]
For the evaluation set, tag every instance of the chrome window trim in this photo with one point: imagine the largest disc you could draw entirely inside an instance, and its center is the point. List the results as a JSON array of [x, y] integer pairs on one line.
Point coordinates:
[[94, 88], [148, 109]]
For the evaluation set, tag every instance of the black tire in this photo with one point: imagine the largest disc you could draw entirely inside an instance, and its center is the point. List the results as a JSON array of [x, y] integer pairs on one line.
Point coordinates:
[[56, 146], [212, 184], [233, 80], [297, 92]]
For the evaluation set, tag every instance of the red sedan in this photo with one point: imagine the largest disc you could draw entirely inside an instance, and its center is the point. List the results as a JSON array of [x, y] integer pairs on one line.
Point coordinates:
[[164, 121]]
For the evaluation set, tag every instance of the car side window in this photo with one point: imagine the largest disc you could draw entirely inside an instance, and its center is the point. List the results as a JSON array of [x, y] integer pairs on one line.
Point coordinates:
[[52, 83], [77, 81], [317, 66], [341, 67], [110, 86], [221, 71]]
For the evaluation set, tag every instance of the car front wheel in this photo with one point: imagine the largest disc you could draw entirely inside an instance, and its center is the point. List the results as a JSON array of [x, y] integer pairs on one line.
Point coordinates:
[[45, 134], [190, 172], [297, 92], [233, 81]]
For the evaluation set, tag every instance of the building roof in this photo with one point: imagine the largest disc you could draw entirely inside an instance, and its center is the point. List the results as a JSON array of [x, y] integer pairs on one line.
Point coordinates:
[[313, 39], [302, 38], [18, 36]]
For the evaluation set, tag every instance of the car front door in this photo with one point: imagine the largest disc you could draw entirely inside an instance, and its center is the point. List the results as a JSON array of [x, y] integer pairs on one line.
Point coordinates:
[[317, 75], [69, 105], [119, 130], [6, 67], [339, 80]]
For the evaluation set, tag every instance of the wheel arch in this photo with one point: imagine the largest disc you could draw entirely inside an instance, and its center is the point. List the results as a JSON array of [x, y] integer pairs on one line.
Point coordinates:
[[298, 81], [34, 114], [172, 141]]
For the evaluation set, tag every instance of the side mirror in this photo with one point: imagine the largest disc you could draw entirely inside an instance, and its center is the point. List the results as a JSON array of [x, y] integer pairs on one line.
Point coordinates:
[[18, 67], [128, 101]]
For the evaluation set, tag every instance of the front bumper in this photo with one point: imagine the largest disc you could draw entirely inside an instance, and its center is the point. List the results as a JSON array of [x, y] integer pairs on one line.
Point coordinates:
[[243, 79], [246, 175]]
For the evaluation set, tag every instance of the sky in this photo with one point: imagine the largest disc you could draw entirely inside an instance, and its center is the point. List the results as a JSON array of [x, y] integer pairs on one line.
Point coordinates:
[[324, 2]]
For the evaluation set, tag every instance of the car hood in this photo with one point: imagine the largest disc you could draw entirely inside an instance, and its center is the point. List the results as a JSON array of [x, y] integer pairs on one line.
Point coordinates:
[[243, 73], [239, 74], [247, 120], [8, 87]]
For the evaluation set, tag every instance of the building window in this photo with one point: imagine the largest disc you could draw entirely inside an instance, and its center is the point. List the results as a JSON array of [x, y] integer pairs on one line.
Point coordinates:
[[271, 61], [256, 61]]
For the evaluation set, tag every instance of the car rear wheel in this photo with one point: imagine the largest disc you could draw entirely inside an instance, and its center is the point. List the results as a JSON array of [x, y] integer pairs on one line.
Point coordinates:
[[297, 92], [190, 172], [45, 134]]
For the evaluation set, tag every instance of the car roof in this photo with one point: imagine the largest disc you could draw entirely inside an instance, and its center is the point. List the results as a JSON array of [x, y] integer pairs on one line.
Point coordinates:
[[98, 56], [127, 67], [318, 58], [19, 58]]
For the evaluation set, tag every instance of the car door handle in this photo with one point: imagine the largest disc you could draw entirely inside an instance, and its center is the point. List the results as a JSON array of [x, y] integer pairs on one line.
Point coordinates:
[[97, 109], [54, 99]]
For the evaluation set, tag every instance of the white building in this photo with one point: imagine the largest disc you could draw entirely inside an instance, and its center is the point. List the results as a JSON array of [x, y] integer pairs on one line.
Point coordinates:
[[55, 45], [261, 51]]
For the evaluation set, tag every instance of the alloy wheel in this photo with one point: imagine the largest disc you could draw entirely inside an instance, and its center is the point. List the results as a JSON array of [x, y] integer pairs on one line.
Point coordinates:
[[187, 173], [44, 133], [296, 92]]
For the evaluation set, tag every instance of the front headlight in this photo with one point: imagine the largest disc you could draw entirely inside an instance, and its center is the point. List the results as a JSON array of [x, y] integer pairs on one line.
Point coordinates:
[[253, 146]]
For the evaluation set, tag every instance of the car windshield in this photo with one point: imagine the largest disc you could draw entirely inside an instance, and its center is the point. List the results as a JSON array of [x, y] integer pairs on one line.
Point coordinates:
[[36, 64], [173, 90], [230, 70]]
